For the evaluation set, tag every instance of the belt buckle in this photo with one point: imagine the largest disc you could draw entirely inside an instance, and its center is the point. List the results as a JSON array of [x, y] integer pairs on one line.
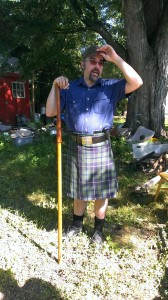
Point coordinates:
[[86, 140]]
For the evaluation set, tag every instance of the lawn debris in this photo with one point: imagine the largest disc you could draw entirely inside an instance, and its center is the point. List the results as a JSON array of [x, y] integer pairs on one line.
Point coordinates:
[[153, 163], [144, 188]]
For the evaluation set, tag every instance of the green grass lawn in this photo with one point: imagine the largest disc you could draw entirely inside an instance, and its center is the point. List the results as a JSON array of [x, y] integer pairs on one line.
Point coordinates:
[[29, 181], [166, 124], [28, 190]]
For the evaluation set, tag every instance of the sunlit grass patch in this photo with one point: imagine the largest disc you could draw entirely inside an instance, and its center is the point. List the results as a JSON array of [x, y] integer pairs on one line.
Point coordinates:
[[129, 258]]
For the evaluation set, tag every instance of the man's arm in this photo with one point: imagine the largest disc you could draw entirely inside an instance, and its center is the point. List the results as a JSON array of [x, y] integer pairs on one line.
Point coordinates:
[[133, 80], [51, 108]]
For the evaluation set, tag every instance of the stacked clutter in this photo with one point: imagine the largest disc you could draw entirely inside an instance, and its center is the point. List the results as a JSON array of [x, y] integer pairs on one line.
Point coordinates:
[[150, 153], [22, 136], [153, 163]]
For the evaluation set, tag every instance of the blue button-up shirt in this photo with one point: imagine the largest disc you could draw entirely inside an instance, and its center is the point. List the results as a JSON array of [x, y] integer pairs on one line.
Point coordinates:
[[88, 109]]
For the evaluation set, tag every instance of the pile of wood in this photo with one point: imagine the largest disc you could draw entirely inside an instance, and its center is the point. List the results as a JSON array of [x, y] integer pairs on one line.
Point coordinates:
[[153, 163]]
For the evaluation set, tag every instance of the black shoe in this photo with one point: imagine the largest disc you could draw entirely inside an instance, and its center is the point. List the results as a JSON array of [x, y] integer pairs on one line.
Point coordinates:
[[97, 237], [72, 231]]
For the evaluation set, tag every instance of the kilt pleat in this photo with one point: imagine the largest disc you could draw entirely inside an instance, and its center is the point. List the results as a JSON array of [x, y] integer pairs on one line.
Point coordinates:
[[90, 172]]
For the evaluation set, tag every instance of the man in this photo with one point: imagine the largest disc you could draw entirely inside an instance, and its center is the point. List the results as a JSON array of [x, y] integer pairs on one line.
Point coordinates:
[[89, 104]]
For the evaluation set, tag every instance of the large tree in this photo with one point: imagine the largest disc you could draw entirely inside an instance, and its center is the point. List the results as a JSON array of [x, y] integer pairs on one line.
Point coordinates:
[[44, 31], [146, 49], [146, 24]]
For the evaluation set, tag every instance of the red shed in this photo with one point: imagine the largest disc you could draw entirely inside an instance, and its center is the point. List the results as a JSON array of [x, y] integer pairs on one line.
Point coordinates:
[[14, 98]]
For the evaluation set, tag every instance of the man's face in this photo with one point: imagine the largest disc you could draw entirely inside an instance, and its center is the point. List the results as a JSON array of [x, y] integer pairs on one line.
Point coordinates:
[[92, 67]]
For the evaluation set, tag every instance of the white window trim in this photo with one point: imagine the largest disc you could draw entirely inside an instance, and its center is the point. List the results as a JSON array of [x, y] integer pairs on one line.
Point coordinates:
[[17, 92]]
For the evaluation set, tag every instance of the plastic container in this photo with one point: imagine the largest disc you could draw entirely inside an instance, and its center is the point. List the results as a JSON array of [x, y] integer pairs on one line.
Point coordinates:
[[141, 135], [20, 141], [142, 149], [43, 110]]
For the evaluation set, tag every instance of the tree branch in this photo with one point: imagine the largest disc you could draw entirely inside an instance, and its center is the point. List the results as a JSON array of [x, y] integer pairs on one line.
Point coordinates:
[[94, 23]]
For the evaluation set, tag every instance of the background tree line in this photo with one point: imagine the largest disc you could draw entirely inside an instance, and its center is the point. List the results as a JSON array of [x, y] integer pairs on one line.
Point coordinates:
[[48, 37]]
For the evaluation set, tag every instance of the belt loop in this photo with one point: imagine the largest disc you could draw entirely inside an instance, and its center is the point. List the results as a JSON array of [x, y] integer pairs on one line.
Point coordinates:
[[107, 133]]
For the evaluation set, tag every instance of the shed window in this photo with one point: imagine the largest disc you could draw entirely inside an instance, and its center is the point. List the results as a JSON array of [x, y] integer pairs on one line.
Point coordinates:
[[18, 90]]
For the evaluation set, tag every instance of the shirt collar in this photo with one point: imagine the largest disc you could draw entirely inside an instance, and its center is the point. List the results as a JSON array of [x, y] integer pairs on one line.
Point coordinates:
[[82, 82]]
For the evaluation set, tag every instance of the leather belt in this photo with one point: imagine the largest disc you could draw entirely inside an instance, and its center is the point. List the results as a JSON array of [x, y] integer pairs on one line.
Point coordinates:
[[88, 139]]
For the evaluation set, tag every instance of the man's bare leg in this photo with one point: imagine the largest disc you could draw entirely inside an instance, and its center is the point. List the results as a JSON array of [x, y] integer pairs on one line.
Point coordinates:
[[100, 213], [101, 208], [79, 207], [78, 215]]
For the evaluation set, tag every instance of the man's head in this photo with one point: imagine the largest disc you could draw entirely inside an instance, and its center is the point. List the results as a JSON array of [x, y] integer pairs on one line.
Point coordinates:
[[92, 64], [90, 51]]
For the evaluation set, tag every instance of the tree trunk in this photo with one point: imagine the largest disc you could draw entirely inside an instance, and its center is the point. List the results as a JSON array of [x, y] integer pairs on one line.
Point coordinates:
[[146, 25], [148, 54]]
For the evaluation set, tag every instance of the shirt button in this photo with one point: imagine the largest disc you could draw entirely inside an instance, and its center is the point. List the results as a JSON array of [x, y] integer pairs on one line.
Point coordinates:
[[87, 108], [87, 99]]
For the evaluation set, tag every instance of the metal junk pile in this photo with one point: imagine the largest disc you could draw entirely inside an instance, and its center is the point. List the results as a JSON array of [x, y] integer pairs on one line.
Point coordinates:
[[150, 153]]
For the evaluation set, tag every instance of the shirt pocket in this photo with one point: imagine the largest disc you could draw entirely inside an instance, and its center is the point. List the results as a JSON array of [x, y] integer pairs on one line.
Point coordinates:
[[100, 105], [74, 105]]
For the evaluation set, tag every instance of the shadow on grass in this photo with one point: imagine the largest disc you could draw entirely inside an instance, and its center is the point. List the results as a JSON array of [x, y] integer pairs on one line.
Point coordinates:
[[161, 214], [163, 287], [34, 288], [29, 173], [129, 216], [28, 182], [43, 217]]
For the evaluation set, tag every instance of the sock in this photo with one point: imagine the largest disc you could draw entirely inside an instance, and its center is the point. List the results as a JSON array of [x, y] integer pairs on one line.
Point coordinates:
[[99, 223], [78, 221]]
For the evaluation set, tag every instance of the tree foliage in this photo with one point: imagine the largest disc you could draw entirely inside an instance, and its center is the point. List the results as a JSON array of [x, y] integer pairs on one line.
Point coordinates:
[[48, 37], [40, 32]]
